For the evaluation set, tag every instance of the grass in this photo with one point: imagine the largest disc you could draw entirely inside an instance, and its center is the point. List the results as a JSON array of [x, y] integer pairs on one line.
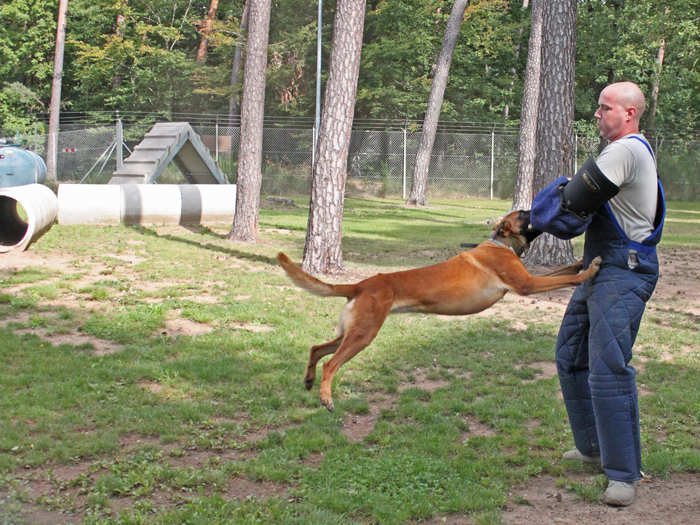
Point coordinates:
[[111, 415]]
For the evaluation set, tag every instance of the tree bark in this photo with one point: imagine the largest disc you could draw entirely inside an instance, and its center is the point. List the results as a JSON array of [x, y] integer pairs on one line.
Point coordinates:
[[245, 220], [555, 132], [55, 104], [516, 58], [419, 186], [527, 150], [206, 31], [119, 31], [322, 249], [655, 87], [233, 100]]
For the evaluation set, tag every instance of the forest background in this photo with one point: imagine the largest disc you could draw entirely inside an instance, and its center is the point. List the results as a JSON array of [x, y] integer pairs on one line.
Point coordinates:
[[137, 56]]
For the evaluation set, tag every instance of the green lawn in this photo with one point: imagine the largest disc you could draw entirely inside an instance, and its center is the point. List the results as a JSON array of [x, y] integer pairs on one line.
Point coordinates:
[[154, 375]]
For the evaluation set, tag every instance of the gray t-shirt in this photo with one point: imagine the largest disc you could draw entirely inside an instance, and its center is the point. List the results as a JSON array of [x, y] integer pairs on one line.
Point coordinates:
[[628, 164]]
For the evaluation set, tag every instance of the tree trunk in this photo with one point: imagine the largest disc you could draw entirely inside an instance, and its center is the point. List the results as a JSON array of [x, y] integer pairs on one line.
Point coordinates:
[[119, 32], [655, 88], [516, 59], [555, 132], [245, 220], [527, 150], [206, 31], [322, 249], [417, 196], [233, 106], [55, 104]]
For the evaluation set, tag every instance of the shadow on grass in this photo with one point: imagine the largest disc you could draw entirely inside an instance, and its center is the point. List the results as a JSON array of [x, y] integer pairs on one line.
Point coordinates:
[[207, 246]]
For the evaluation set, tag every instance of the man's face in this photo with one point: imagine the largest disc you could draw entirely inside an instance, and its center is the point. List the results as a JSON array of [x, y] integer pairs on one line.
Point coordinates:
[[611, 115]]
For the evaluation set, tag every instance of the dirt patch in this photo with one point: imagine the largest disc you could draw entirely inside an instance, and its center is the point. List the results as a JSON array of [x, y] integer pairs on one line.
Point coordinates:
[[252, 327], [74, 338], [546, 370], [664, 502], [421, 381], [180, 326], [476, 428], [243, 488]]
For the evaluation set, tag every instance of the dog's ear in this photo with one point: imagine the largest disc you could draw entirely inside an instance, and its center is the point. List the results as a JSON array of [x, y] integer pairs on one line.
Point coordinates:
[[503, 228]]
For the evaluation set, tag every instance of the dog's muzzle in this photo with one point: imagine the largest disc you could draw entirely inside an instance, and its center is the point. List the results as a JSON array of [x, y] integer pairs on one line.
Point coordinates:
[[531, 233]]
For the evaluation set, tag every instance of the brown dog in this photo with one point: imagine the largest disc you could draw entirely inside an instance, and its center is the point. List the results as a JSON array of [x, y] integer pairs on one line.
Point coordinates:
[[465, 284]]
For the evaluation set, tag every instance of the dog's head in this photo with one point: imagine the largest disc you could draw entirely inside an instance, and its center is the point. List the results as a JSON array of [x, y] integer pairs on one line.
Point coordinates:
[[515, 231]]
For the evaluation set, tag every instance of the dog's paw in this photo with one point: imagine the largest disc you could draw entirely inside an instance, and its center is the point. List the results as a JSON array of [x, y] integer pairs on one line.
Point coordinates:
[[308, 383], [328, 403], [595, 265]]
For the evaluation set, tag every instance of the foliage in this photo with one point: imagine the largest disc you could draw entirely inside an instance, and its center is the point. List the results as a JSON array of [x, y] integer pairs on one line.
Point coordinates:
[[18, 104], [147, 63], [620, 41]]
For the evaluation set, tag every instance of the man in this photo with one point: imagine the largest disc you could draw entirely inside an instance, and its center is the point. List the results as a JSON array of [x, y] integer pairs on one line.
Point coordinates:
[[618, 201]]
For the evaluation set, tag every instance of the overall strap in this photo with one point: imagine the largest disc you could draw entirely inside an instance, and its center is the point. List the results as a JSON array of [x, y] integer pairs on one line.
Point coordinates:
[[648, 147], [659, 221]]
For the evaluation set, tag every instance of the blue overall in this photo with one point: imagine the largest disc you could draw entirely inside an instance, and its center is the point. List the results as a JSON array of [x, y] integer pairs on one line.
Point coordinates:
[[594, 345]]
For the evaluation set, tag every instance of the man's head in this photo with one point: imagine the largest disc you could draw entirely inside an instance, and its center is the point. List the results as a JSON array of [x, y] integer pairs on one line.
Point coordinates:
[[620, 106]]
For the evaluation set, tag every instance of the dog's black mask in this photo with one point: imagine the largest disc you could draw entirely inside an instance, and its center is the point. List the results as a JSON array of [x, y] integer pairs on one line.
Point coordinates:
[[530, 233]]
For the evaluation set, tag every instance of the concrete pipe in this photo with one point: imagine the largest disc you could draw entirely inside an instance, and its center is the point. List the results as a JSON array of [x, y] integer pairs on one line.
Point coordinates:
[[146, 203], [40, 207]]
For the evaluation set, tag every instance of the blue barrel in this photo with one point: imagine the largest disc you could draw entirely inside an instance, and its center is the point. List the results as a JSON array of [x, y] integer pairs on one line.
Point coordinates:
[[20, 166]]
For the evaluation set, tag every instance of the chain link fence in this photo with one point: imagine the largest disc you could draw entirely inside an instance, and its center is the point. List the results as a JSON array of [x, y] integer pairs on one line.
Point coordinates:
[[380, 161]]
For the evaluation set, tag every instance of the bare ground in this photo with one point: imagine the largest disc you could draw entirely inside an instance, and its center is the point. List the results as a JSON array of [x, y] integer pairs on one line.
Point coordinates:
[[673, 501]]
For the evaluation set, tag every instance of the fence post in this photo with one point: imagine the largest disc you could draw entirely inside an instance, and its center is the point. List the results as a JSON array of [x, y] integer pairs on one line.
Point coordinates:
[[493, 135], [216, 139], [119, 142], [404, 163], [313, 147]]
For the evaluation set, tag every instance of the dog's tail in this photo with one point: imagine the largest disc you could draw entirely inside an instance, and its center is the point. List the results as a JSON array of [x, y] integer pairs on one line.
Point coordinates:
[[313, 285]]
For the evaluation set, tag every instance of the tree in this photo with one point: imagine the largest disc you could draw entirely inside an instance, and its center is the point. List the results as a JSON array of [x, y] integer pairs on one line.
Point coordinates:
[[245, 220], [555, 135], [55, 105], [654, 98], [206, 30], [152, 55], [27, 49], [432, 115], [516, 55], [522, 198], [233, 105], [322, 249]]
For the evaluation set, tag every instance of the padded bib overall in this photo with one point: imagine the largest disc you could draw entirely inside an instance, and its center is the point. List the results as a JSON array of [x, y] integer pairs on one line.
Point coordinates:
[[594, 345]]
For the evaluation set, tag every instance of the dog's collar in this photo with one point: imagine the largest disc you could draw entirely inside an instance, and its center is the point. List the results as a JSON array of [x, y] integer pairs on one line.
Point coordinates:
[[502, 245]]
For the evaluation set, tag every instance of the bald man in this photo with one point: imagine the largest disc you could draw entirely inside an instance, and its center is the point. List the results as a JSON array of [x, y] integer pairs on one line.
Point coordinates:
[[618, 201]]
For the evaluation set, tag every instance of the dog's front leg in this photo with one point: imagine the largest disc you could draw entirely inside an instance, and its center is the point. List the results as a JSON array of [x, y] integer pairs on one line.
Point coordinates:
[[522, 283], [571, 269]]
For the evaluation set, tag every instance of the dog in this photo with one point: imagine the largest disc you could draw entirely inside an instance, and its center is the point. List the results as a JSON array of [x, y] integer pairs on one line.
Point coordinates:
[[468, 283]]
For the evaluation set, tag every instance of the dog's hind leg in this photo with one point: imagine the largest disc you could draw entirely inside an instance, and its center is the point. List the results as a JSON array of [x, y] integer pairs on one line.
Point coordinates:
[[369, 313], [316, 353]]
